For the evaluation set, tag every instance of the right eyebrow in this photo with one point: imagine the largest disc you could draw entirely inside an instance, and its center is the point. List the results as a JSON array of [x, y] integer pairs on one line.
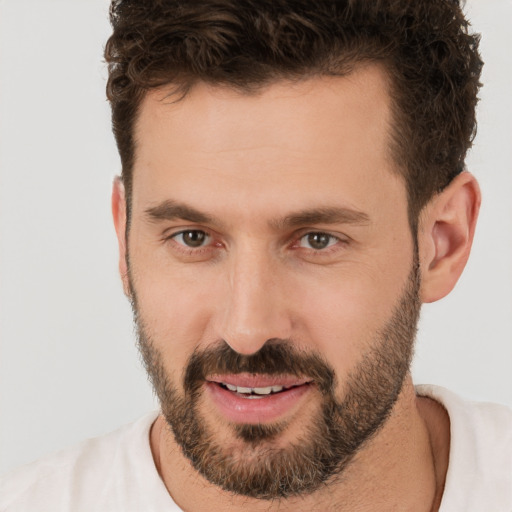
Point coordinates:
[[171, 210]]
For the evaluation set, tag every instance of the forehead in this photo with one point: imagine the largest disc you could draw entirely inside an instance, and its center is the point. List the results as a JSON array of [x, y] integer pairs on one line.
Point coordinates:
[[308, 137], [322, 102]]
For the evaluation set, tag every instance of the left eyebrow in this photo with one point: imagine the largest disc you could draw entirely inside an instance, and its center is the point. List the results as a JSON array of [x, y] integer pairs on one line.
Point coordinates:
[[327, 215]]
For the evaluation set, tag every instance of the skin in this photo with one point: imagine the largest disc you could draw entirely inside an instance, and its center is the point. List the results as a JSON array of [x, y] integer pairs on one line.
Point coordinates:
[[248, 162]]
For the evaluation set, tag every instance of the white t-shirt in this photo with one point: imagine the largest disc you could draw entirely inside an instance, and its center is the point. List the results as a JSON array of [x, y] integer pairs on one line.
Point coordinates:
[[116, 472]]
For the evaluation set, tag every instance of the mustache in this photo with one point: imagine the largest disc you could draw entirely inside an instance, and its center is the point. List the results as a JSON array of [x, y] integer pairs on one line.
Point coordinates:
[[276, 357]]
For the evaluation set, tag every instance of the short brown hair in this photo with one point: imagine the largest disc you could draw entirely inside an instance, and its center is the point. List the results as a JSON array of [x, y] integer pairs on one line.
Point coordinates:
[[425, 46]]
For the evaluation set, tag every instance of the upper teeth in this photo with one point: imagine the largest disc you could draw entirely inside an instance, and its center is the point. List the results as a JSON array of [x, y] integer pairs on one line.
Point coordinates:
[[257, 391]]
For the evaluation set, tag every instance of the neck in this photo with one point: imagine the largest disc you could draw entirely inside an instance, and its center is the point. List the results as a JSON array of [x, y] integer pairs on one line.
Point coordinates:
[[403, 467]]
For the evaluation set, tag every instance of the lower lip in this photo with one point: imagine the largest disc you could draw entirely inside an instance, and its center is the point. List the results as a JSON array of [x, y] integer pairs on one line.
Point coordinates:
[[254, 410]]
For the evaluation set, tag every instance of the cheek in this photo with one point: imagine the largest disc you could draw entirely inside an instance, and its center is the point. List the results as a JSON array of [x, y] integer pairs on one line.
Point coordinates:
[[339, 323], [343, 316], [175, 307]]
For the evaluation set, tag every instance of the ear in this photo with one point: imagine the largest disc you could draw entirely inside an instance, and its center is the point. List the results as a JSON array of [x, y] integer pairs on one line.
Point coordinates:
[[119, 214], [445, 235]]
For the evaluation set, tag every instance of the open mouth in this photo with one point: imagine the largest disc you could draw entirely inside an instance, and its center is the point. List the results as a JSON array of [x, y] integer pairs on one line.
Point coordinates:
[[246, 398], [256, 392]]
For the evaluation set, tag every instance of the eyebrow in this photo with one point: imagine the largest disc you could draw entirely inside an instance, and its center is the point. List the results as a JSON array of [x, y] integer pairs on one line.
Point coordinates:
[[171, 210], [327, 215]]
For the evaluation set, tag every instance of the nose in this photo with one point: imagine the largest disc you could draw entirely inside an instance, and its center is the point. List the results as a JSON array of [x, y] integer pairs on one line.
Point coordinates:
[[254, 307]]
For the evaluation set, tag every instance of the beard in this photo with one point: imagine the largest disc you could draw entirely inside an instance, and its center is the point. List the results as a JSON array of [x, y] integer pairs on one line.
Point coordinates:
[[253, 463]]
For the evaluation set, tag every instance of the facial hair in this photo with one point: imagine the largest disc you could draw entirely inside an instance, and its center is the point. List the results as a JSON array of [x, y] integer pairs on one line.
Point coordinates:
[[261, 468]]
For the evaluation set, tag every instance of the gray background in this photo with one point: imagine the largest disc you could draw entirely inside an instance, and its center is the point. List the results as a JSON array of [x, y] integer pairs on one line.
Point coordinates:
[[68, 364]]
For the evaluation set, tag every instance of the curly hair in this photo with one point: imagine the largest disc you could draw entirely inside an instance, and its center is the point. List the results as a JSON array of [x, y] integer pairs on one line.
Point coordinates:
[[426, 47]]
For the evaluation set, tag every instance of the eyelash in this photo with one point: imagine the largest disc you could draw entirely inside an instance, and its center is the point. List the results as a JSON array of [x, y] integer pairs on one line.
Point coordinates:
[[189, 251], [324, 250], [296, 245]]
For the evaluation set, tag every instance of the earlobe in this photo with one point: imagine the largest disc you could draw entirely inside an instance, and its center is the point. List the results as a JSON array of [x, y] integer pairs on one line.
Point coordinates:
[[446, 233], [119, 216]]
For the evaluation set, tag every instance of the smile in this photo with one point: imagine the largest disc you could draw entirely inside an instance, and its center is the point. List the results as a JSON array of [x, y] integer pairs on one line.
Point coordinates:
[[254, 392], [254, 399]]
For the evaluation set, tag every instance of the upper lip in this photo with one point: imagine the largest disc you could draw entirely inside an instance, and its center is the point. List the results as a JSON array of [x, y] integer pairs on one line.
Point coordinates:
[[248, 380]]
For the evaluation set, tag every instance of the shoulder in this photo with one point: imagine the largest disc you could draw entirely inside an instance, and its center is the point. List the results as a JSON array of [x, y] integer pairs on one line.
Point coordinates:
[[482, 421], [78, 475], [479, 473]]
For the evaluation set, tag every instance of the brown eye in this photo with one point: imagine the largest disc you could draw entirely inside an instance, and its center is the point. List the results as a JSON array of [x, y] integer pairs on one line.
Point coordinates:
[[193, 238], [317, 241]]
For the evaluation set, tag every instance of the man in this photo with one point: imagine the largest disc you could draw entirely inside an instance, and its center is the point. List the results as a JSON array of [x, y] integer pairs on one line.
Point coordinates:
[[293, 189]]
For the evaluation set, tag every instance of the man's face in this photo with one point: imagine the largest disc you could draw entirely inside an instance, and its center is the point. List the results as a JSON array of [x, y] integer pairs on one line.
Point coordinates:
[[273, 275]]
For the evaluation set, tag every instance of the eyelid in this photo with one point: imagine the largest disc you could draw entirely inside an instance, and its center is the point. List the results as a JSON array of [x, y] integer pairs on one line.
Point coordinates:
[[334, 238], [311, 231], [170, 235], [213, 240], [183, 232], [177, 230], [342, 241]]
